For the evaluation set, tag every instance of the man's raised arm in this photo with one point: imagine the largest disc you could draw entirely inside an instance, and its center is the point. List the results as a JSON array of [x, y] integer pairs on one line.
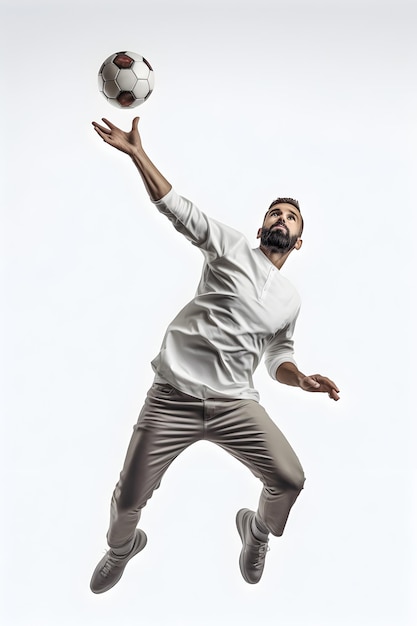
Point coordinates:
[[130, 143]]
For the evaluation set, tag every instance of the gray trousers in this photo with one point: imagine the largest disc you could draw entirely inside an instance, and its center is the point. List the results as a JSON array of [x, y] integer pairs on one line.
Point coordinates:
[[170, 421]]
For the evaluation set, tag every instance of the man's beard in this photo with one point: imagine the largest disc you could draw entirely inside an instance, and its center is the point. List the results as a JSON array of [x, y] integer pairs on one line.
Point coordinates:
[[278, 240]]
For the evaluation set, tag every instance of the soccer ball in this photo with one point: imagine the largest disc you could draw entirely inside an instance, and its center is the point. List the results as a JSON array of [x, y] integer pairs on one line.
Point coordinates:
[[126, 79]]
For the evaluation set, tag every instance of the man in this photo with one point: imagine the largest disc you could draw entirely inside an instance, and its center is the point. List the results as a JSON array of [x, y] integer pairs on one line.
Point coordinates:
[[203, 387]]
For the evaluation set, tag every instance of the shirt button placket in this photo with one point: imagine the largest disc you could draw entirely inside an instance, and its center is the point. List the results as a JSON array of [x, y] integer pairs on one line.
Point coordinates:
[[267, 282]]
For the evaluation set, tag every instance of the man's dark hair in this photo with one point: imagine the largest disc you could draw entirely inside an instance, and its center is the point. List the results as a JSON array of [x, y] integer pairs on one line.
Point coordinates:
[[292, 201]]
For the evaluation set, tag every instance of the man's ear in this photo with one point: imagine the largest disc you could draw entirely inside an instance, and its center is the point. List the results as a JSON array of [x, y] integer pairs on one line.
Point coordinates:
[[298, 244], [258, 236]]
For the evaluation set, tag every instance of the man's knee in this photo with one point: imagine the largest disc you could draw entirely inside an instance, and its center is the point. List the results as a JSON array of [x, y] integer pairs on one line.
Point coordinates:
[[292, 480], [297, 479], [277, 500]]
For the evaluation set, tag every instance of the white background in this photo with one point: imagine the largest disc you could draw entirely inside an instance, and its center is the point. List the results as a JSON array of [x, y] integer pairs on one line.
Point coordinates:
[[253, 99]]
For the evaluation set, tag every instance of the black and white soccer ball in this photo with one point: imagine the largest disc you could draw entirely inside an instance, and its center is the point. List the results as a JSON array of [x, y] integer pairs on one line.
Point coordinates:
[[126, 79]]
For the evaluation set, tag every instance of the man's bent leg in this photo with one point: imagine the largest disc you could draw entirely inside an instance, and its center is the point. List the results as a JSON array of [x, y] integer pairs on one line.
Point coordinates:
[[168, 423], [246, 431], [283, 478]]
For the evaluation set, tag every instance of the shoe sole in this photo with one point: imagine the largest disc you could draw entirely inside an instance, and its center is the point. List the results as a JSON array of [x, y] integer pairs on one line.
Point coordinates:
[[142, 541], [240, 517]]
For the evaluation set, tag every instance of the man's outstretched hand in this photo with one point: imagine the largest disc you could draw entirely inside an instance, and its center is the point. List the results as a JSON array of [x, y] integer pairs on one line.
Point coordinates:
[[289, 374], [130, 143], [127, 142], [320, 384]]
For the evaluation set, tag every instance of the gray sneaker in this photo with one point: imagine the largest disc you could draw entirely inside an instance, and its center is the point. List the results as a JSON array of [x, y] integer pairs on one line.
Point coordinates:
[[252, 556], [111, 567]]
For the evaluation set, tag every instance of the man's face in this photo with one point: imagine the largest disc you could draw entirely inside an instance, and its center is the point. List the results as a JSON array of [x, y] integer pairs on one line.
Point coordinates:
[[281, 229]]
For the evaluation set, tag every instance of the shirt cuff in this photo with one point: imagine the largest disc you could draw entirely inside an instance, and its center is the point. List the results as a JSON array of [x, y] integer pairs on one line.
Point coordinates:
[[166, 198]]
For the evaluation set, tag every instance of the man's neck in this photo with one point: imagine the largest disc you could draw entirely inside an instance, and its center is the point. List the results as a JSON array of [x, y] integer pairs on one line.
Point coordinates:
[[276, 257]]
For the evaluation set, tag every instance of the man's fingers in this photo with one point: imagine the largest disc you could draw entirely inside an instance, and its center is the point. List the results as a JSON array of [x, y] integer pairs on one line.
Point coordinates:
[[333, 384], [135, 123], [318, 383], [101, 129], [327, 381], [109, 124], [105, 137], [334, 395], [331, 389], [100, 132]]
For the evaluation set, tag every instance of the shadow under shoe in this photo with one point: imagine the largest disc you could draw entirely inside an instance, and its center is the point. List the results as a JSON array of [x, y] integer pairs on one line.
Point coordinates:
[[111, 567], [252, 556]]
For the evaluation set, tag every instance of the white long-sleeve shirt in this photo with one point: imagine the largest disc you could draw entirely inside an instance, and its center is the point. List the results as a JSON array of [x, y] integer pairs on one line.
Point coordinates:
[[243, 308]]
